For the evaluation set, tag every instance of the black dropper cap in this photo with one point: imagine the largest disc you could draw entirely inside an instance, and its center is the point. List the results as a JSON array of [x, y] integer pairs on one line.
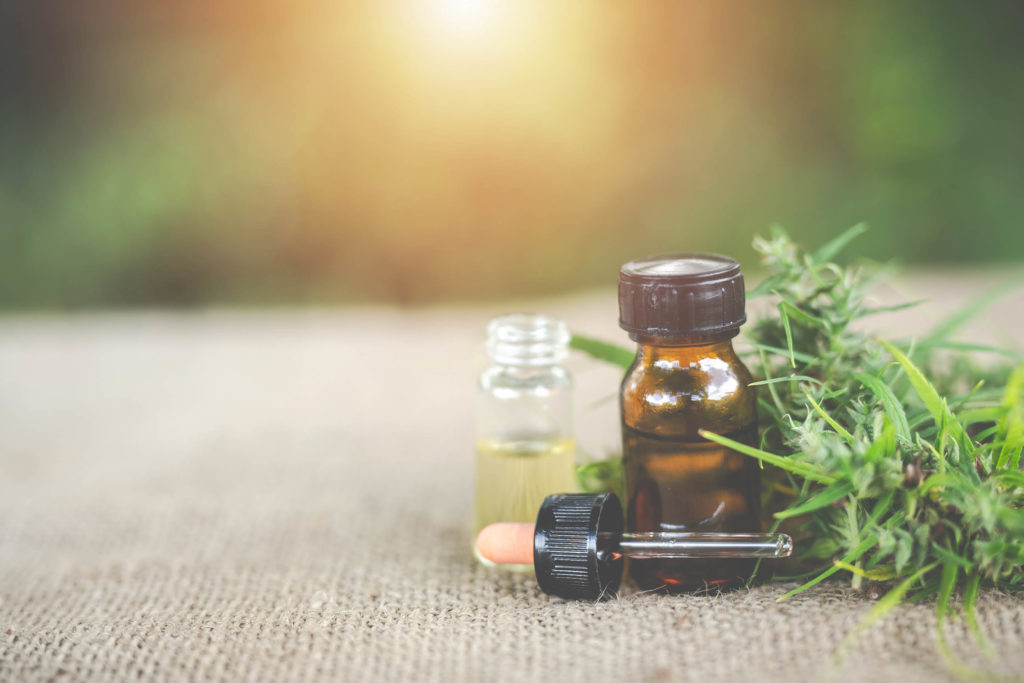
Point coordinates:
[[574, 545]]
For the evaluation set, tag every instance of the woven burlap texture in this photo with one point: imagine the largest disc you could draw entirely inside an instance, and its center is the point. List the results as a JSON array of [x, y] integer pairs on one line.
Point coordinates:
[[287, 497]]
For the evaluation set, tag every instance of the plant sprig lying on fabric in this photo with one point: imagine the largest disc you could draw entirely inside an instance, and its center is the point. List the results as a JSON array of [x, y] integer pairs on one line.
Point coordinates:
[[890, 460]]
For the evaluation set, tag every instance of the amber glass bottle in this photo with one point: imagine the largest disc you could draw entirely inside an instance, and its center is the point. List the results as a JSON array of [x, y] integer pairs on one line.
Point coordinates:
[[683, 311]]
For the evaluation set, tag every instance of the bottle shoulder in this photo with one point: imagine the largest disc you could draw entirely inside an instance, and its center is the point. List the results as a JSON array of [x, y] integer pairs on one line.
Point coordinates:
[[683, 394], [715, 375]]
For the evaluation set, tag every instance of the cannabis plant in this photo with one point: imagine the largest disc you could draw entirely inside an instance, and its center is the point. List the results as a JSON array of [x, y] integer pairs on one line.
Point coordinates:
[[893, 462]]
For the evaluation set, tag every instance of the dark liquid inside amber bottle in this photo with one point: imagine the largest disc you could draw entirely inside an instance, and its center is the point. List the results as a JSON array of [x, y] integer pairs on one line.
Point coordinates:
[[693, 486], [675, 479]]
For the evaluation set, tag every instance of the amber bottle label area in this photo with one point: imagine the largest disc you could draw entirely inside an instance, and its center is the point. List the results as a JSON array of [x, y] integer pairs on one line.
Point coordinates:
[[690, 484]]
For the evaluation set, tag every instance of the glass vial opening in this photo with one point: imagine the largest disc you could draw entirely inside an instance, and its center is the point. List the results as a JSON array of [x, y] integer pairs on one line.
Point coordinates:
[[525, 339]]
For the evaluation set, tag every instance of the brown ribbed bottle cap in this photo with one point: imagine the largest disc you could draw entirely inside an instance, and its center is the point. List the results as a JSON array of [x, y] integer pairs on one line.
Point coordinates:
[[681, 295]]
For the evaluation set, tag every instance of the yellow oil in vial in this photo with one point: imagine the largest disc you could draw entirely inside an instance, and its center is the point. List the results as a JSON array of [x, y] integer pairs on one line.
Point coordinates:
[[514, 476]]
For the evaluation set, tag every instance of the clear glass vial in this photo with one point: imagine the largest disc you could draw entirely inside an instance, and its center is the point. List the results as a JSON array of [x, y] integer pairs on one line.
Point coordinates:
[[524, 437]]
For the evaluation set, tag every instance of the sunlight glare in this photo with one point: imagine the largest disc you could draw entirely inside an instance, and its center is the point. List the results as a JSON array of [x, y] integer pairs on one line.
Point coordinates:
[[465, 18]]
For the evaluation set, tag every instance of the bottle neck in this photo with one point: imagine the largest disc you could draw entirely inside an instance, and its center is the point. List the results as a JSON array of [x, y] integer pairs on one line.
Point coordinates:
[[703, 339], [527, 341], [651, 349]]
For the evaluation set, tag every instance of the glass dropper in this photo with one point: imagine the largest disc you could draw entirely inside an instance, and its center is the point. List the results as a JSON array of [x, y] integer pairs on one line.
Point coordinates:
[[513, 543], [682, 545], [578, 545]]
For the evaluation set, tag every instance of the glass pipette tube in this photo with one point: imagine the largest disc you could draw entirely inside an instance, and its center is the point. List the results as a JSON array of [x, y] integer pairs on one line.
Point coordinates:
[[671, 544]]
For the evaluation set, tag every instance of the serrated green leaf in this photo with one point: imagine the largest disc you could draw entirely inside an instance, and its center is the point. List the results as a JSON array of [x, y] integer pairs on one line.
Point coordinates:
[[892, 406], [946, 584], [800, 314], [610, 353], [766, 286], [880, 574], [787, 378], [802, 357], [892, 309], [826, 496], [862, 547], [789, 464], [986, 414], [1009, 477], [970, 597], [828, 418], [949, 557], [933, 402], [1011, 426], [828, 251], [789, 333]]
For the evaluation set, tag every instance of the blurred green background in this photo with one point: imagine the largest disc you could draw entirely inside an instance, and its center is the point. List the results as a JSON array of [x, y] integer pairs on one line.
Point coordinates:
[[209, 152]]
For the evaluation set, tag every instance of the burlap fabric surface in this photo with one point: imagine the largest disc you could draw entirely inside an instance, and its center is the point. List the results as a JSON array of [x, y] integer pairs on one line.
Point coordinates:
[[287, 496]]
